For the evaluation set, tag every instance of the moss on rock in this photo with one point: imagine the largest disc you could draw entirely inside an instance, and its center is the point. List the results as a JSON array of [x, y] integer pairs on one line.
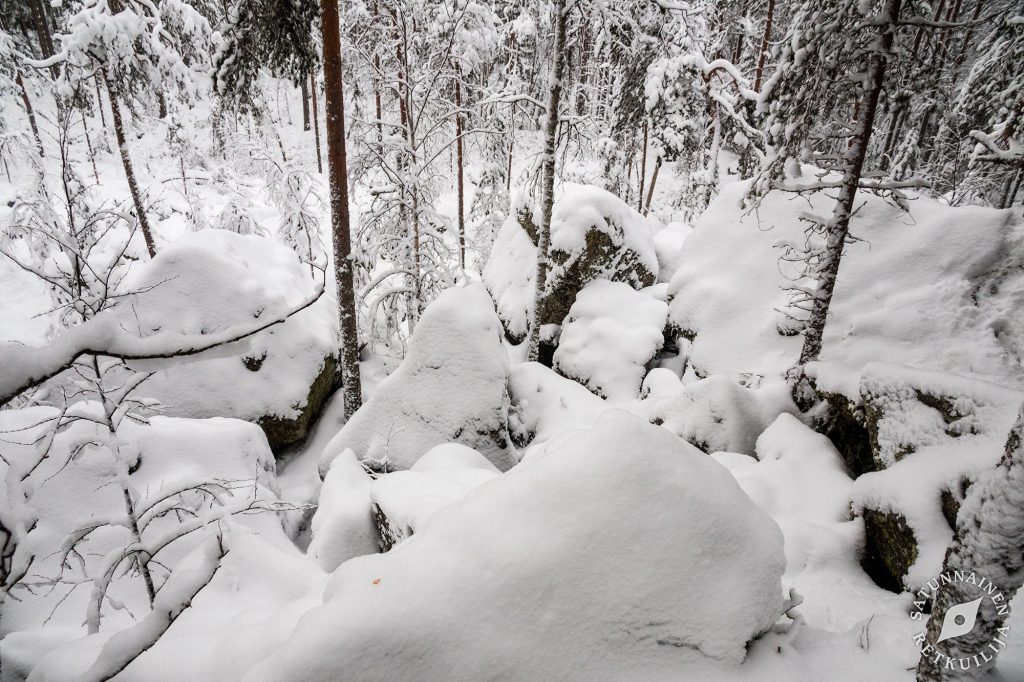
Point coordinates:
[[890, 548], [284, 431]]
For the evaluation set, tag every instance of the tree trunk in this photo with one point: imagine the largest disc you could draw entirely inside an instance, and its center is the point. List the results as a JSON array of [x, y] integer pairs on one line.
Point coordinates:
[[839, 225], [126, 161], [99, 104], [654, 181], [762, 54], [304, 86], [88, 143], [989, 545], [337, 165], [548, 170], [43, 33], [29, 111], [461, 181], [378, 108], [316, 123], [643, 170]]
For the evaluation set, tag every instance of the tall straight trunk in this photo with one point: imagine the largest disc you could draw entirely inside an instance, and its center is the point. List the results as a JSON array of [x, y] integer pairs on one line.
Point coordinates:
[[511, 146], [462, 187], [304, 87], [29, 111], [378, 108], [88, 143], [839, 225], [989, 543], [337, 165], [99, 104], [643, 170], [43, 34], [654, 181], [548, 177], [762, 53], [129, 170], [316, 123]]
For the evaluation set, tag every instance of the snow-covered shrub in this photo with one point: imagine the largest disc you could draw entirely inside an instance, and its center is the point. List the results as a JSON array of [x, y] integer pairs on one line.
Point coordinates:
[[611, 333], [206, 281], [451, 387], [594, 235], [536, 575]]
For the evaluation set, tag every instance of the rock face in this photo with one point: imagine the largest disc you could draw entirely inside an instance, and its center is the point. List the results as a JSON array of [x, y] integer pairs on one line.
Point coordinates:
[[452, 386], [213, 279], [594, 235], [916, 439]]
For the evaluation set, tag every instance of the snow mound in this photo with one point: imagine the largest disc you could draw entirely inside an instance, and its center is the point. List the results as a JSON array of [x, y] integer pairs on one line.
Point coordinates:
[[554, 590], [611, 333], [342, 526], [937, 288], [544, 404], [594, 235], [452, 386], [444, 475], [718, 414], [210, 280]]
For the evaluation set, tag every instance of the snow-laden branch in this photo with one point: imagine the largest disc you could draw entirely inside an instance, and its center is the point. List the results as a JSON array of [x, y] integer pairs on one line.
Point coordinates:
[[22, 367]]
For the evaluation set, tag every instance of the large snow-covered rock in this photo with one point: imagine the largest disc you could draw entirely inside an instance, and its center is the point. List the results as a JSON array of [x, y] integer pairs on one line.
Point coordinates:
[[930, 435], [610, 335], [342, 526], [452, 386], [621, 553], [937, 288], [594, 235], [210, 280], [404, 500]]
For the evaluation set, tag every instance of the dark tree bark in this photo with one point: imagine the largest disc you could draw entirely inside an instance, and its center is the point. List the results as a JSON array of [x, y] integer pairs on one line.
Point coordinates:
[[654, 181], [766, 37], [337, 166], [548, 170], [839, 225], [461, 181], [29, 110], [643, 170], [43, 34], [129, 170]]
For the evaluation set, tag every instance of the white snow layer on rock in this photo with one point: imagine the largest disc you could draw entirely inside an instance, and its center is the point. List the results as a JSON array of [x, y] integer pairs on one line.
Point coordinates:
[[510, 273], [342, 526], [610, 335], [937, 287], [210, 280], [536, 574], [451, 387], [438, 479]]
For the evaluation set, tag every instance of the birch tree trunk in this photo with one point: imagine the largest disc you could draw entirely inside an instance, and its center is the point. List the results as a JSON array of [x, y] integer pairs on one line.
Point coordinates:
[[461, 180], [839, 225], [337, 166], [548, 175]]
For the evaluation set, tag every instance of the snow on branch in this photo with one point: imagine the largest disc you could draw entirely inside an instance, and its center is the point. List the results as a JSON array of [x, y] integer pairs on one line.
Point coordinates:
[[24, 367]]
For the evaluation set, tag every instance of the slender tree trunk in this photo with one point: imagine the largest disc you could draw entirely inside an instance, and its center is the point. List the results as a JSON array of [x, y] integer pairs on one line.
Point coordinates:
[[643, 170], [337, 164], [29, 111], [378, 108], [762, 53], [654, 181], [316, 123], [43, 33], [511, 146], [548, 178], [88, 143], [989, 545], [839, 225], [129, 171], [99, 103], [304, 86], [461, 181]]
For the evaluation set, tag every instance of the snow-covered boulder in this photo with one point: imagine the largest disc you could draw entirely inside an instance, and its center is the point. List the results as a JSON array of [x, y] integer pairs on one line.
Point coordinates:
[[210, 280], [717, 413], [538, 574], [594, 235], [404, 500], [938, 288], [342, 526], [452, 386], [545, 404], [610, 335], [927, 436]]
